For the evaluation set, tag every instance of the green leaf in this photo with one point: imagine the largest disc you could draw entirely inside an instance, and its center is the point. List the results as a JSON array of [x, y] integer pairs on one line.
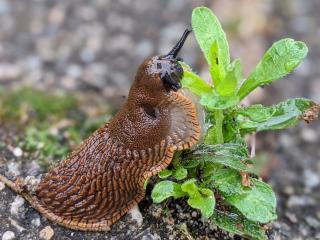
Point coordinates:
[[199, 198], [282, 58], [204, 202], [230, 155], [196, 84], [218, 102], [229, 84], [165, 173], [282, 115], [207, 30], [190, 188], [181, 173], [215, 133], [256, 203], [237, 224], [190, 163], [217, 71], [166, 189]]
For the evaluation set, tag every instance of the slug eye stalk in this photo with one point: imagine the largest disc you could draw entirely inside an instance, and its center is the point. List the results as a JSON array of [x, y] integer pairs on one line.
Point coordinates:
[[176, 49]]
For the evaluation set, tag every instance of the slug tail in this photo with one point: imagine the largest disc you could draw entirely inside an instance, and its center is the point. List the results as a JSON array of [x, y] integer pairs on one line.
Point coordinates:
[[18, 188]]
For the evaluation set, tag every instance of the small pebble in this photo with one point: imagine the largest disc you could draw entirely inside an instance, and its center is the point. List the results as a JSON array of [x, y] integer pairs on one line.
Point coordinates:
[[311, 178], [194, 214], [136, 215], [17, 152], [292, 217], [17, 206], [8, 235], [46, 233], [13, 169], [309, 135], [2, 186], [300, 201], [36, 222], [313, 222]]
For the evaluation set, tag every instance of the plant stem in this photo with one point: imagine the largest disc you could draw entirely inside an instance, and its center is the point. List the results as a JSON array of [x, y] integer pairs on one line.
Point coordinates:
[[218, 115]]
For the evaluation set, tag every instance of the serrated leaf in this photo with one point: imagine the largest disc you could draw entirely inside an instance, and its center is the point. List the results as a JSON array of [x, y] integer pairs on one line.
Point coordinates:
[[212, 102], [281, 59], [165, 173], [237, 224], [282, 115], [256, 203], [181, 173], [166, 189], [229, 84], [207, 30], [230, 155], [190, 163]]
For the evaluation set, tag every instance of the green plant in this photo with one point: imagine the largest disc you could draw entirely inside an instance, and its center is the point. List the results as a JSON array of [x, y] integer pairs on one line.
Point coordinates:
[[221, 170]]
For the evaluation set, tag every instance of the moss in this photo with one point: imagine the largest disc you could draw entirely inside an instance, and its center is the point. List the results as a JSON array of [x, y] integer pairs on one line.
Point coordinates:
[[14, 105], [53, 124]]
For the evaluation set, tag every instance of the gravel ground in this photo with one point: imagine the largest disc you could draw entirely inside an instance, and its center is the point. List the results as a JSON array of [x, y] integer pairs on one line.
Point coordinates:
[[79, 47]]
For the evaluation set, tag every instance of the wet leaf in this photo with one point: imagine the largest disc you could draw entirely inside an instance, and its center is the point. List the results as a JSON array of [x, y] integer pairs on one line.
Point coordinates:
[[256, 203], [204, 202], [212, 102], [216, 69], [229, 84], [166, 189], [280, 116], [181, 173], [208, 30], [235, 223], [196, 84], [165, 173], [281, 59], [199, 198]]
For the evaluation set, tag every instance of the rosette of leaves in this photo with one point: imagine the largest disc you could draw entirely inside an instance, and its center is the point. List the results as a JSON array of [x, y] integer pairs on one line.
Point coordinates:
[[213, 172]]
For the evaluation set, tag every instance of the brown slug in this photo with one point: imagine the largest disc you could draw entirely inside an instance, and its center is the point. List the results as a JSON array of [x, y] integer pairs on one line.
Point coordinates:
[[104, 178]]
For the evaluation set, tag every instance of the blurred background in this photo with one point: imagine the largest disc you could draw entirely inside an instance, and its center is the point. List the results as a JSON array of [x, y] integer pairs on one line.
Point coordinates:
[[91, 50]]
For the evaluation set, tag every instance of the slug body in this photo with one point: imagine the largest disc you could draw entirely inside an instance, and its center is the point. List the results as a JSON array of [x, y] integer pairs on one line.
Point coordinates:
[[104, 178]]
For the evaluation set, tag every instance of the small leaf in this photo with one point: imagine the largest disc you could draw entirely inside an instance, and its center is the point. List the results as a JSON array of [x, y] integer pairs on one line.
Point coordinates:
[[166, 189], [217, 71], [165, 173], [281, 59], [229, 84], [218, 102], [190, 188], [235, 223], [204, 202], [207, 30], [199, 198], [196, 84], [181, 173], [190, 163], [257, 203], [215, 133], [282, 115]]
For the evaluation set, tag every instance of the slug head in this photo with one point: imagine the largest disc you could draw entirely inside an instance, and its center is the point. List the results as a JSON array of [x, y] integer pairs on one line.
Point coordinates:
[[150, 112], [164, 70]]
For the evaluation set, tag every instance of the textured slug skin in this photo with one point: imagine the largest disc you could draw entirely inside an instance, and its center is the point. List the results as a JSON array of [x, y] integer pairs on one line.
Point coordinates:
[[104, 178]]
